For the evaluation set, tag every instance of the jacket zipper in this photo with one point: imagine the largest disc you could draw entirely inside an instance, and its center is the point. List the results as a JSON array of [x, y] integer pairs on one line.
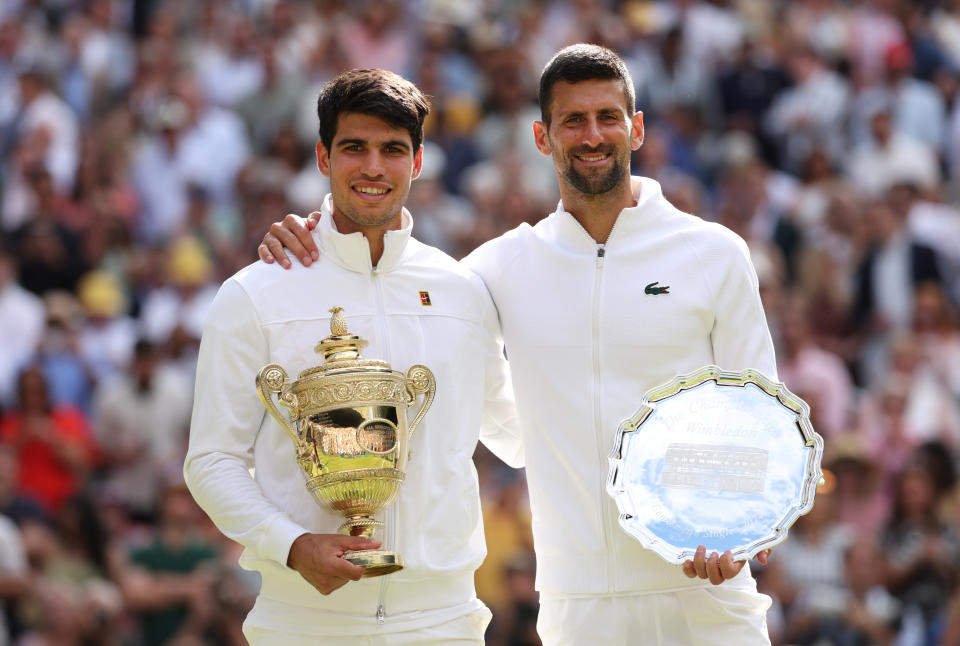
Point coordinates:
[[599, 433], [389, 530], [597, 386], [381, 314]]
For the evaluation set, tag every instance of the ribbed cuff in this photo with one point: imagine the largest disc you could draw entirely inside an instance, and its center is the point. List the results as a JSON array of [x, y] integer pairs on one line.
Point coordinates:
[[279, 537]]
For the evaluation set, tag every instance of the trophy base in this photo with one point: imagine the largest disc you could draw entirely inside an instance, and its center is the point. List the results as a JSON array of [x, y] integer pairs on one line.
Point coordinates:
[[376, 562]]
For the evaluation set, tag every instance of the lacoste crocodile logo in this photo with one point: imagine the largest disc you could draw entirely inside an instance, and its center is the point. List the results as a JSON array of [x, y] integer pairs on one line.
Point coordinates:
[[656, 290]]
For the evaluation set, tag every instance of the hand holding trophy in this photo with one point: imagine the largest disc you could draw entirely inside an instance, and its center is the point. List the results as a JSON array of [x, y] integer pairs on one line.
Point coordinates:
[[348, 421]]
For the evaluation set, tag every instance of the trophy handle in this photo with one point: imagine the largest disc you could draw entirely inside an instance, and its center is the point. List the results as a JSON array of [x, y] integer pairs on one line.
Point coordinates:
[[274, 379], [420, 380]]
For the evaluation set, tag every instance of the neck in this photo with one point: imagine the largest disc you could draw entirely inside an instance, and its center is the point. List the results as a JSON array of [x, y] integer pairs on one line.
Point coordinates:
[[597, 213], [373, 234]]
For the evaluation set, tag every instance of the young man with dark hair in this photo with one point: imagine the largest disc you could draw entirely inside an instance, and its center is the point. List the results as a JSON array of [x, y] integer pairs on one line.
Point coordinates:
[[371, 129], [612, 294]]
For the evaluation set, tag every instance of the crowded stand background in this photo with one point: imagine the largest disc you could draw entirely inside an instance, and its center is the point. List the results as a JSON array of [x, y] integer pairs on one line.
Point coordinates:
[[146, 146]]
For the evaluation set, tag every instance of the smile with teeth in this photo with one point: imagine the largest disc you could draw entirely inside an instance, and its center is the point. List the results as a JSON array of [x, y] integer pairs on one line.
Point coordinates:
[[370, 190], [593, 158]]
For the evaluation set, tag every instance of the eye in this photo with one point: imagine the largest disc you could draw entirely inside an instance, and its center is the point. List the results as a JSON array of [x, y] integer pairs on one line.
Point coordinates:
[[573, 120], [352, 148]]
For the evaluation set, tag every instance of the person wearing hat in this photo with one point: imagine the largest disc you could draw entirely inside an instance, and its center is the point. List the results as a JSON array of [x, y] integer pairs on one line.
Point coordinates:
[[108, 334]]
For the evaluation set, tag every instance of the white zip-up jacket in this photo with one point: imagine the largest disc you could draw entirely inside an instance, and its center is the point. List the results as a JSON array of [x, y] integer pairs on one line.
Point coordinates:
[[588, 330], [418, 306]]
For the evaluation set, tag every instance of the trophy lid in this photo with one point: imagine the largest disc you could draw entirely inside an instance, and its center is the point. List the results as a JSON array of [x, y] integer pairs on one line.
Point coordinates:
[[342, 349]]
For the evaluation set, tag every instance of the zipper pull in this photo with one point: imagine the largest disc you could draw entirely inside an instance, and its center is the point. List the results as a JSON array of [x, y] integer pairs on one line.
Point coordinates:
[[601, 250], [381, 616]]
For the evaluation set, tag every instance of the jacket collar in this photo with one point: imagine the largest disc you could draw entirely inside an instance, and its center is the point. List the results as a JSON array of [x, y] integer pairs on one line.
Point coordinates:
[[351, 250], [646, 192]]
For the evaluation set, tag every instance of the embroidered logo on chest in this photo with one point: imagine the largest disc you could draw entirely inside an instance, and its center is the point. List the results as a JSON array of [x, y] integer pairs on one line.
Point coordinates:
[[653, 289], [425, 299]]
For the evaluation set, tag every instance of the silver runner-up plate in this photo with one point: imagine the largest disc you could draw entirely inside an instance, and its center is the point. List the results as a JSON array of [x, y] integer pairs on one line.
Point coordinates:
[[723, 459]]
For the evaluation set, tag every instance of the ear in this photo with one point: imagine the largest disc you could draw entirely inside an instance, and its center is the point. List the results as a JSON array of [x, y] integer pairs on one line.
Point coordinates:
[[323, 159], [541, 138], [636, 131], [417, 163]]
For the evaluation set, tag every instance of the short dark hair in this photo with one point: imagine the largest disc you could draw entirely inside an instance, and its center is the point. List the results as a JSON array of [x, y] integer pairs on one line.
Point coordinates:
[[584, 62], [377, 93]]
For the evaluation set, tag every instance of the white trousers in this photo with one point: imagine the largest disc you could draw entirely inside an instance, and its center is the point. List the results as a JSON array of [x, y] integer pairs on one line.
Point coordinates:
[[462, 631], [714, 616]]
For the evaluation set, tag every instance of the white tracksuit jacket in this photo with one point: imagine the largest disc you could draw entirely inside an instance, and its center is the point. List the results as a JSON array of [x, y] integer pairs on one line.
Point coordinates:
[[586, 338], [266, 315]]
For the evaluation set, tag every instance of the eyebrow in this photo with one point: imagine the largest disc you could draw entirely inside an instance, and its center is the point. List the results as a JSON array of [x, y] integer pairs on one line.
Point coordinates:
[[601, 111], [363, 142]]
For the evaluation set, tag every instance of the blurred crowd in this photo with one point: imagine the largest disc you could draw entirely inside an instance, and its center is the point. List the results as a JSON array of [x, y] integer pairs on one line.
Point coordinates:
[[147, 144]]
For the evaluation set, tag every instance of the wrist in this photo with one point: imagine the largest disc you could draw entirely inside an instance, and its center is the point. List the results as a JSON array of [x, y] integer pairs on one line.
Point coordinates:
[[293, 556]]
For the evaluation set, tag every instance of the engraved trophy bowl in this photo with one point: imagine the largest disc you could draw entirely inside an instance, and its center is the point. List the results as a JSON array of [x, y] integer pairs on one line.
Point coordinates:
[[348, 421]]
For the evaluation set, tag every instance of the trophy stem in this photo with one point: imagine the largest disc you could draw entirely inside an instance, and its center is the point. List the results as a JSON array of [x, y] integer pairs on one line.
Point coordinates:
[[360, 526]]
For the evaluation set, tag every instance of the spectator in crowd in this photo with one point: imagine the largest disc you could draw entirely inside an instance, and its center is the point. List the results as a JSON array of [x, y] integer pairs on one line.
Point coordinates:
[[890, 157], [107, 336], [171, 582], [917, 108], [807, 573], [44, 118], [53, 444], [180, 305], [861, 493], [141, 419], [808, 114], [892, 268], [922, 550], [818, 376]]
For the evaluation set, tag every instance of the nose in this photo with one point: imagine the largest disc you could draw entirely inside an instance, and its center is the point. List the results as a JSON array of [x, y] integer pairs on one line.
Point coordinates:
[[591, 133], [373, 165]]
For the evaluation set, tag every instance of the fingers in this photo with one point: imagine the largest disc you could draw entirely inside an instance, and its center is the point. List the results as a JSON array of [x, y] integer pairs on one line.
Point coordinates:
[[336, 569], [281, 241], [290, 236], [263, 250], [728, 567], [301, 232], [763, 556], [716, 568], [340, 568], [359, 543], [700, 562]]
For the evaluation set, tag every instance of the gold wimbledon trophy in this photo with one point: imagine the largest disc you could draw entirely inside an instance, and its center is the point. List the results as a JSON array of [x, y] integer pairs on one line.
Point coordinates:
[[348, 420]]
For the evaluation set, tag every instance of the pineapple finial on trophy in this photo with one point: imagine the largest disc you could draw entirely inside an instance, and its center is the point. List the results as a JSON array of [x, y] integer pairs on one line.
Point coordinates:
[[340, 345], [338, 323]]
